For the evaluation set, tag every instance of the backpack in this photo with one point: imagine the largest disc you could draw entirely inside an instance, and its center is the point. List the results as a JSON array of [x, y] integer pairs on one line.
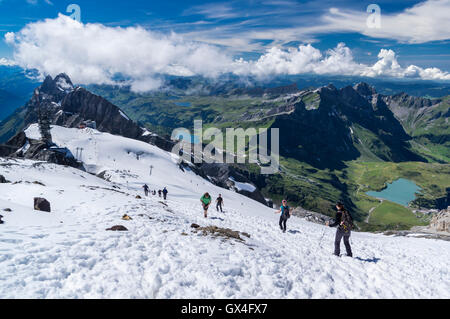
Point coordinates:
[[346, 221], [287, 214]]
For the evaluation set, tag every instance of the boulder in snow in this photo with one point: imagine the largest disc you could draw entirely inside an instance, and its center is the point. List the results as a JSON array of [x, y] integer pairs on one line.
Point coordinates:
[[3, 179], [41, 204], [118, 228]]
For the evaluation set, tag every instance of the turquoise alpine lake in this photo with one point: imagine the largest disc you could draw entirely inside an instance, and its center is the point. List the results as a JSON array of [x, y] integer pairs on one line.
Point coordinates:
[[185, 104], [401, 191]]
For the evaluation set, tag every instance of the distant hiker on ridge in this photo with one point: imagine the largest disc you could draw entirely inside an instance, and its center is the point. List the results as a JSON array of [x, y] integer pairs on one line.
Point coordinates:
[[285, 214], [165, 191], [146, 189], [219, 202], [344, 221], [205, 200]]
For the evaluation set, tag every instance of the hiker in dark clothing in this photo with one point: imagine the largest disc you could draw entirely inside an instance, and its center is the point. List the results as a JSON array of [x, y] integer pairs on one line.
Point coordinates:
[[219, 202], [165, 193], [344, 223], [285, 214], [146, 189], [159, 192]]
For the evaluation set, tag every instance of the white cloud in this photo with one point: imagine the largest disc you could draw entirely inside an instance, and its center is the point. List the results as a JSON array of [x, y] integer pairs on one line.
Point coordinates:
[[424, 22], [307, 59], [94, 53], [6, 62]]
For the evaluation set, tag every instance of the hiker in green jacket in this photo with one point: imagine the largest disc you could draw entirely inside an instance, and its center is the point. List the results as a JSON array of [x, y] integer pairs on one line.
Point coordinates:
[[205, 200]]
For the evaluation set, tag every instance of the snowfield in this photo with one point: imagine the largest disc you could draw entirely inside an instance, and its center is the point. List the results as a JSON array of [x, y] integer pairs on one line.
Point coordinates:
[[69, 254]]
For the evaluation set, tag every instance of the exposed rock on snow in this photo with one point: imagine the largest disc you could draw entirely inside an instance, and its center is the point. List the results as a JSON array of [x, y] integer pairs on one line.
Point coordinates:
[[3, 179], [311, 216], [222, 232], [118, 228], [42, 204], [441, 221]]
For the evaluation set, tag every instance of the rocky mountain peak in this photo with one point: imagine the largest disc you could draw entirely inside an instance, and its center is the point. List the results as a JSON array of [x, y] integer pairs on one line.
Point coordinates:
[[365, 89], [55, 89], [63, 82]]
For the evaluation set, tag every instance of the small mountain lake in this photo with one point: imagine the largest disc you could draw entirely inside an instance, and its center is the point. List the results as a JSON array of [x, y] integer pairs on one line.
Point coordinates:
[[401, 191], [185, 104]]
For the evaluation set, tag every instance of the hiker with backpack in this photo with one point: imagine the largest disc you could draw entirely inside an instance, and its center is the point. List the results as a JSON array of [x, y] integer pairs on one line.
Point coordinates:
[[165, 193], [344, 223], [219, 203], [159, 192], [206, 201], [146, 189], [285, 214]]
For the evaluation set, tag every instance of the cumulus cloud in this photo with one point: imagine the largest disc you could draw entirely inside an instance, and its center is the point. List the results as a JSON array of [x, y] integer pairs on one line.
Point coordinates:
[[94, 53], [307, 59], [6, 62]]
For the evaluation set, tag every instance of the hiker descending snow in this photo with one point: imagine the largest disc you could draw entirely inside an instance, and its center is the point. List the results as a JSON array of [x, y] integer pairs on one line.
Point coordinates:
[[344, 221], [165, 191], [146, 189], [285, 214], [219, 202], [159, 192], [206, 201]]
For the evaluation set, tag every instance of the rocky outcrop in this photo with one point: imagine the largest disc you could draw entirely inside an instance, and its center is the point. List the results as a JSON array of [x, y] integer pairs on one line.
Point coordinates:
[[42, 204], [311, 216], [81, 105], [3, 179], [441, 221], [118, 228]]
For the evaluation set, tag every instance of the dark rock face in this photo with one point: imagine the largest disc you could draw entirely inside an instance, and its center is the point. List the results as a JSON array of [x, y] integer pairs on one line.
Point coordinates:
[[1, 221], [81, 105], [42, 204], [323, 137], [118, 228], [3, 179], [365, 89]]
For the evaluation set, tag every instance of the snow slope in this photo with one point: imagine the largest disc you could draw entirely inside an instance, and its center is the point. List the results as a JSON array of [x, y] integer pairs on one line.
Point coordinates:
[[69, 254]]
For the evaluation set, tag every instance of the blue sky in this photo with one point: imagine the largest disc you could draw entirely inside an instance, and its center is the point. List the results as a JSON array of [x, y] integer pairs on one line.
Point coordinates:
[[248, 28]]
